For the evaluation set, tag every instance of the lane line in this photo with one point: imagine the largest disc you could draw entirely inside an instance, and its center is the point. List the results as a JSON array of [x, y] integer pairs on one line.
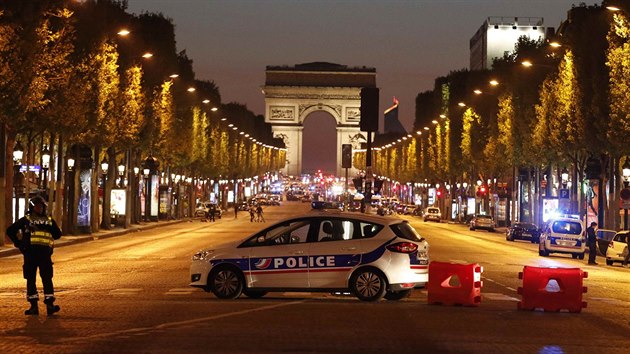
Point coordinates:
[[145, 330]]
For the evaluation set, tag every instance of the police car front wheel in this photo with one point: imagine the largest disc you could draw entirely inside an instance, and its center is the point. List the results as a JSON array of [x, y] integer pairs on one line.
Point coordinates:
[[368, 284], [397, 295], [254, 294], [226, 283]]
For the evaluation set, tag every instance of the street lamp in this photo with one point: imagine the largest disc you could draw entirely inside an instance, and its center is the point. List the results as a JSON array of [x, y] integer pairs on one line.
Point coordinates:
[[625, 192], [150, 166], [121, 172], [565, 176], [18, 176], [70, 163], [45, 166], [625, 170], [18, 152], [104, 166]]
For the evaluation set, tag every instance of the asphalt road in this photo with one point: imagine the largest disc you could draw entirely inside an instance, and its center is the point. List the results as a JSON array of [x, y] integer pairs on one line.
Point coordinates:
[[130, 294]]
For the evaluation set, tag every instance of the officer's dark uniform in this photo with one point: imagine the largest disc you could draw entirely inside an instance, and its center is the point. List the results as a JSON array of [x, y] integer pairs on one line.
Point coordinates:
[[34, 235]]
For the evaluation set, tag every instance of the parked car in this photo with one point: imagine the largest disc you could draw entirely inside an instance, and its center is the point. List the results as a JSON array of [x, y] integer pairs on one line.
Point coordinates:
[[203, 208], [562, 235], [482, 221], [433, 213], [617, 248], [293, 197], [523, 231], [410, 209], [371, 256]]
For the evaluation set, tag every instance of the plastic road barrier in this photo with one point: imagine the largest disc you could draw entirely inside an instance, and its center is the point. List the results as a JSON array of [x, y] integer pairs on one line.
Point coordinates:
[[454, 284], [552, 289]]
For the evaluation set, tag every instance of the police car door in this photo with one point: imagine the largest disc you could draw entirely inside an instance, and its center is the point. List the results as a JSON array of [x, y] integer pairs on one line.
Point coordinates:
[[334, 253], [282, 262]]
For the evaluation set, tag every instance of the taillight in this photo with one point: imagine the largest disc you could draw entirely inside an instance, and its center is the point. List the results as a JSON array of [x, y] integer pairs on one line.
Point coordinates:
[[403, 247]]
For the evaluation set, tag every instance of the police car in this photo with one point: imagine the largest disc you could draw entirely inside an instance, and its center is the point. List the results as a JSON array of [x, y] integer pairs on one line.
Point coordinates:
[[562, 235], [368, 255]]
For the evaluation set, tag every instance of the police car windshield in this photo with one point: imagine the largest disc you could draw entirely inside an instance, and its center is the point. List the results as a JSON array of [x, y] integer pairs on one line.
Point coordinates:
[[404, 230]]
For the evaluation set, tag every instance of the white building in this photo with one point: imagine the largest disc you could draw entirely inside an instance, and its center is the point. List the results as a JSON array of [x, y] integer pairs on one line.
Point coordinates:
[[499, 35]]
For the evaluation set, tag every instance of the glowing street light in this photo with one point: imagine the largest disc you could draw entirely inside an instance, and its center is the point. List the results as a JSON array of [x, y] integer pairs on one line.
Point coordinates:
[[123, 32], [147, 55]]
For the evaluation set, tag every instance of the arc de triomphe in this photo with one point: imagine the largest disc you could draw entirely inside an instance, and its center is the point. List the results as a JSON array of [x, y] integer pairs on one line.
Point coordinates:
[[294, 92]]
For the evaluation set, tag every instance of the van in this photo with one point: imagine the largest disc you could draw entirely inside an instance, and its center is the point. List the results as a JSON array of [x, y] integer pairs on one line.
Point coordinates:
[[562, 235]]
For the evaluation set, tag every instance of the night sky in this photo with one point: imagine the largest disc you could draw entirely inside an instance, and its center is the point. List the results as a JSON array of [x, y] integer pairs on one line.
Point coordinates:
[[410, 43]]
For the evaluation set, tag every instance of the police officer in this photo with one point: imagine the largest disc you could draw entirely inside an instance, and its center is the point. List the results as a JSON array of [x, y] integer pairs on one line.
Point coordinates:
[[34, 235], [591, 241]]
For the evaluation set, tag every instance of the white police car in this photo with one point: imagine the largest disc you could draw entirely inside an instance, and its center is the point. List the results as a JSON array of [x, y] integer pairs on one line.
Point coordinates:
[[371, 256]]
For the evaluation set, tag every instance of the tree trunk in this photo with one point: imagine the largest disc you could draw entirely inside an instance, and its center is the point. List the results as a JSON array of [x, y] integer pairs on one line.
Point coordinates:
[[4, 171]]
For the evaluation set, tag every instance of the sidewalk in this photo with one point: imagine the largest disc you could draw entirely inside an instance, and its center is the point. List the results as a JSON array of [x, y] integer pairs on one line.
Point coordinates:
[[65, 240]]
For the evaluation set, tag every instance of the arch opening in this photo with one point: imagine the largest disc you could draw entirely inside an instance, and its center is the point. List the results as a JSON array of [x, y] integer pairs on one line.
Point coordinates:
[[319, 143]]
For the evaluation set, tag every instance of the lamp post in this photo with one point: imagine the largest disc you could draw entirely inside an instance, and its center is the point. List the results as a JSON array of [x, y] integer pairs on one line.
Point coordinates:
[[150, 166], [104, 169], [565, 177], [18, 177], [121, 173], [45, 166], [145, 173], [625, 192]]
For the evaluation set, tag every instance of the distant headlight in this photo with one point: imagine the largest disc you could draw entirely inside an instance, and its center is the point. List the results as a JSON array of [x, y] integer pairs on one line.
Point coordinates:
[[202, 255]]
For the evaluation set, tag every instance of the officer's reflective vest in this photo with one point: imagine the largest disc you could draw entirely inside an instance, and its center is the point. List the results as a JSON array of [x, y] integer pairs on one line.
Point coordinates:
[[39, 235]]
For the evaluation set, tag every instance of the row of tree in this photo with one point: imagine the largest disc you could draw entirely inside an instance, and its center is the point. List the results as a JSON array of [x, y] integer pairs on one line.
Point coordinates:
[[68, 77], [569, 110]]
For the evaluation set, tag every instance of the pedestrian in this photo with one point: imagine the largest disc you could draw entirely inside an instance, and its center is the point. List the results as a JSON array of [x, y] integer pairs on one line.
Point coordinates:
[[211, 211], [591, 242], [34, 235], [627, 257], [252, 214], [259, 213]]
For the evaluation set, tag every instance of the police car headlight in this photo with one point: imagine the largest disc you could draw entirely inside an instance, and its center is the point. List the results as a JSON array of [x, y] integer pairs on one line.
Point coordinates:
[[202, 255]]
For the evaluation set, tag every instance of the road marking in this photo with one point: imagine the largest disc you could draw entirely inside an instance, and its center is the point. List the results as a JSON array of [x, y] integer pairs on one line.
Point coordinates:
[[146, 330], [498, 297], [9, 294], [609, 300], [125, 291], [180, 291]]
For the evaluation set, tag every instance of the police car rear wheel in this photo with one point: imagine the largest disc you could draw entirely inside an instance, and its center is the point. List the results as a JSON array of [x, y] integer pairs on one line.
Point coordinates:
[[397, 295], [368, 285], [226, 283]]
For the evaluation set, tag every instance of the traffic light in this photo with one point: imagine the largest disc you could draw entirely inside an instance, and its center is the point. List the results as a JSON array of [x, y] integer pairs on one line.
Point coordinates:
[[346, 155], [369, 109], [358, 184], [378, 184]]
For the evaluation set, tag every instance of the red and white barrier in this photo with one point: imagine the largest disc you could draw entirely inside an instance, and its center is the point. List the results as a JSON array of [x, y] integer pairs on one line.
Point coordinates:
[[552, 289], [454, 284]]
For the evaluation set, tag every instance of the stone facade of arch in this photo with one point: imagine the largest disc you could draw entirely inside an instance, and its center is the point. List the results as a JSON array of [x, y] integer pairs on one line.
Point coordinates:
[[292, 93]]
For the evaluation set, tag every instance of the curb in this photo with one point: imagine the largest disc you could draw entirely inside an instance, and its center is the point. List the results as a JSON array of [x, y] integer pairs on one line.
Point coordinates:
[[66, 240]]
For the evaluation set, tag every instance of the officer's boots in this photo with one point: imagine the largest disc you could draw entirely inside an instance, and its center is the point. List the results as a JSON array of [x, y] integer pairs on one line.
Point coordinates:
[[51, 308], [34, 310]]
